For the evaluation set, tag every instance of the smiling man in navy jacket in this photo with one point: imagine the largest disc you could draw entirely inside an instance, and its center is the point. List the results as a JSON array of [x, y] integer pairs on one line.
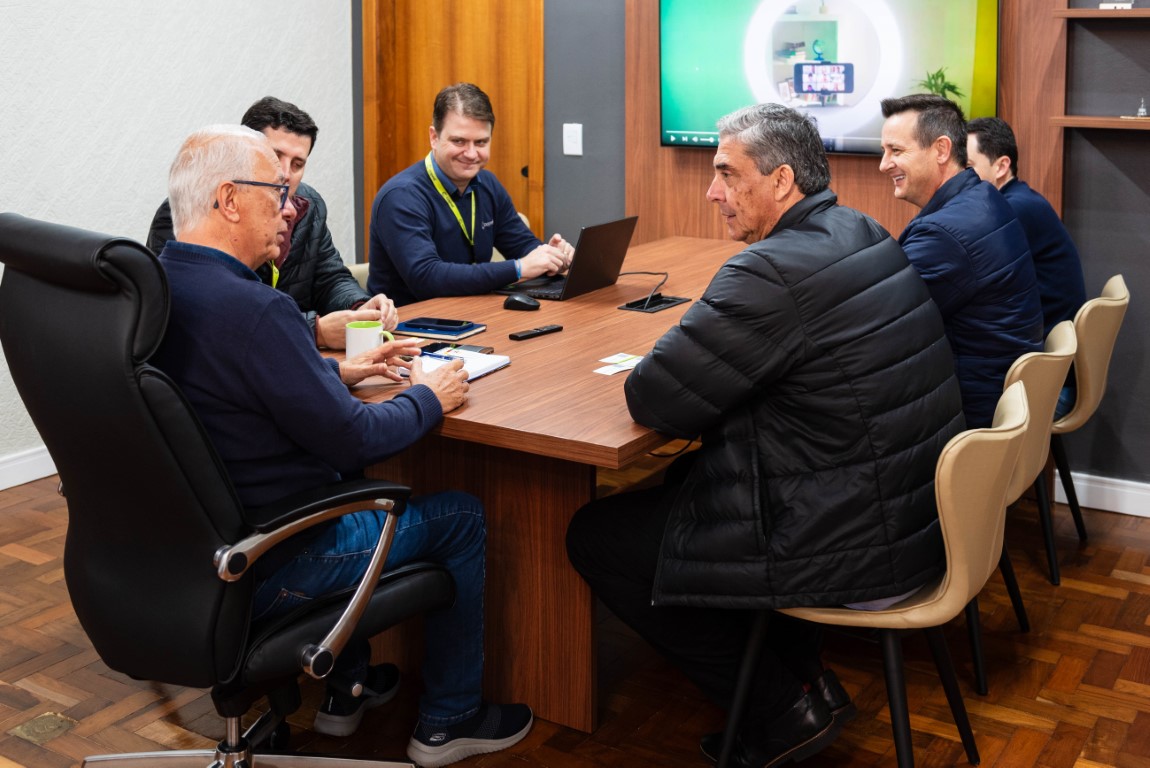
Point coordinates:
[[966, 243], [434, 225]]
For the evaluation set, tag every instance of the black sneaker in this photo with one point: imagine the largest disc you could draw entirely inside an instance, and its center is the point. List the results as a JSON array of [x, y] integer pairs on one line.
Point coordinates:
[[341, 712], [492, 728]]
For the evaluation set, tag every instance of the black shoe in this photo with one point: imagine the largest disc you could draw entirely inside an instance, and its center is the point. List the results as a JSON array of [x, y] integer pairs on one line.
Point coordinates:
[[341, 712], [802, 731], [838, 701], [492, 728], [827, 685]]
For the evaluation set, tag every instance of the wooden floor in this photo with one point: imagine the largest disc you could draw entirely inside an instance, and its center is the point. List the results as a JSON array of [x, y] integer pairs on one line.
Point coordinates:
[[1075, 691]]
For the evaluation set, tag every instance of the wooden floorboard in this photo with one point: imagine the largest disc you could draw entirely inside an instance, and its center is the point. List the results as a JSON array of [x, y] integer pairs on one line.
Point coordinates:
[[1075, 691]]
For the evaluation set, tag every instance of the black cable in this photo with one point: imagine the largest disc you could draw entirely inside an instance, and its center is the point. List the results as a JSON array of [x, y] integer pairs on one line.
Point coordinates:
[[676, 453], [651, 295]]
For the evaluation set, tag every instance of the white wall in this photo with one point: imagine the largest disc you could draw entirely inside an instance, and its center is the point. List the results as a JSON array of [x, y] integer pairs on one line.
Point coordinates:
[[96, 96]]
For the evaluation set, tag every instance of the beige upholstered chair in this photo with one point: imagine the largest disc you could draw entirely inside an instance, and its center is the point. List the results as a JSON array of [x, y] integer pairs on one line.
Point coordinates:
[[359, 272], [1096, 325], [1043, 373], [973, 475]]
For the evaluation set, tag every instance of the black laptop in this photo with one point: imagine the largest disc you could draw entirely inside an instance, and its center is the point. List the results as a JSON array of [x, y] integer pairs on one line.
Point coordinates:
[[599, 255]]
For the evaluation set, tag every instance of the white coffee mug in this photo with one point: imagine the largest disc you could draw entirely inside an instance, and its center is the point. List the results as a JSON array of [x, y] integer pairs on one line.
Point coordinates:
[[363, 336]]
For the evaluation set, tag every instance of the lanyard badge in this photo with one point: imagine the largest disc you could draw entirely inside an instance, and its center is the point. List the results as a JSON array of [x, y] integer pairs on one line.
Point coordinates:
[[451, 203]]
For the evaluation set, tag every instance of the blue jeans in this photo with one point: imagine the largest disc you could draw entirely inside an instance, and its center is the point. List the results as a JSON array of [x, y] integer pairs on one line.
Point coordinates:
[[1066, 400], [446, 528]]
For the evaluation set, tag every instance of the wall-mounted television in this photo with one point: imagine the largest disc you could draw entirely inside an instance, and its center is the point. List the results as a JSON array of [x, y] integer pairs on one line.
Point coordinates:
[[834, 59]]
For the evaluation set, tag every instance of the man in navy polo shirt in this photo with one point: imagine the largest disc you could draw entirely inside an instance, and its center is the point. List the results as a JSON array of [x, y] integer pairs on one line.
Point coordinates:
[[992, 152], [434, 225]]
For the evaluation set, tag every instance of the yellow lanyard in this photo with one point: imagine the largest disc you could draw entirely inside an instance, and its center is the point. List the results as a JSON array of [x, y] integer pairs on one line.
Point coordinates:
[[275, 272], [451, 203]]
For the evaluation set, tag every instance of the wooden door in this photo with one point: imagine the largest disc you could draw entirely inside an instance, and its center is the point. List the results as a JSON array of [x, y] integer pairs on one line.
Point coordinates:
[[413, 48]]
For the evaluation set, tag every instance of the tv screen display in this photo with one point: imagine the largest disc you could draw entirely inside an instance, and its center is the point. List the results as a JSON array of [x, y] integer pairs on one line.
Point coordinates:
[[833, 59]]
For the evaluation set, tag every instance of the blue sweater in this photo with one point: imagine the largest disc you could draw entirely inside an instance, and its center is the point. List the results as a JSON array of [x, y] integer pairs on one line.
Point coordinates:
[[971, 251], [1056, 264], [418, 250], [276, 411]]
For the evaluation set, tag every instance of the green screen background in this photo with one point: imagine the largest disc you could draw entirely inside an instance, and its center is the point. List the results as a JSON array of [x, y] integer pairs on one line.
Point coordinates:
[[701, 53]]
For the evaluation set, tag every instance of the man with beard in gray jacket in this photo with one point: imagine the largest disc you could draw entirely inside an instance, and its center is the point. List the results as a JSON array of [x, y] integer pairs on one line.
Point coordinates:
[[817, 373]]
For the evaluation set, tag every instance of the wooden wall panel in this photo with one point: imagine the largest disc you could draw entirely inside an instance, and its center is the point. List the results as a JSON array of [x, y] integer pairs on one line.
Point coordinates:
[[666, 186], [378, 132], [1032, 89], [413, 48]]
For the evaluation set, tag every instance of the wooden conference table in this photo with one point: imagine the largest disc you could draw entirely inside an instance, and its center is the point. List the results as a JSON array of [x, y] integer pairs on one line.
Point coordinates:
[[527, 443]]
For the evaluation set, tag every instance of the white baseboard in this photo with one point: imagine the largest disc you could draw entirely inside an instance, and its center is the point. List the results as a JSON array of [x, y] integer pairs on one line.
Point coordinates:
[[1125, 496], [24, 467]]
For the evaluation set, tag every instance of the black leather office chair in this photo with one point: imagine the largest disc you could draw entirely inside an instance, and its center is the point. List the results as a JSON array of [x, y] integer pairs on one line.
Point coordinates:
[[159, 550]]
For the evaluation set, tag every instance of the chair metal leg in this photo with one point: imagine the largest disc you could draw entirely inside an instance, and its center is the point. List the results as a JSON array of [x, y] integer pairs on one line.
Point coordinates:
[[974, 631], [209, 758], [233, 752], [896, 696], [1047, 520], [754, 649], [1063, 465], [1006, 568], [953, 695]]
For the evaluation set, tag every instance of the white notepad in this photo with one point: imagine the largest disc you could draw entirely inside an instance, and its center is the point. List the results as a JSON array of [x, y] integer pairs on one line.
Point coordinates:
[[477, 364]]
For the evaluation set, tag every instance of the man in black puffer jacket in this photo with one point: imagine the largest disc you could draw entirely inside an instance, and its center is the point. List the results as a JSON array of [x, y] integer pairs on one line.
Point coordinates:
[[816, 371]]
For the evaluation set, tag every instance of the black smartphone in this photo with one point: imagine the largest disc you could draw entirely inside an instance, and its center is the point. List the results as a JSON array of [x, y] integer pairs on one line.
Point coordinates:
[[437, 346], [436, 323]]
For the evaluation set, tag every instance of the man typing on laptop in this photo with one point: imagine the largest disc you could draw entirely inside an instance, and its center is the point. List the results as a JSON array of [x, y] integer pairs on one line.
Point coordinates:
[[600, 251], [434, 225]]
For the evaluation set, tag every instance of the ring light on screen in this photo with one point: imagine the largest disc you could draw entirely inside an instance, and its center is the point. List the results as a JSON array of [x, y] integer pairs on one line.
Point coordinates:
[[833, 123]]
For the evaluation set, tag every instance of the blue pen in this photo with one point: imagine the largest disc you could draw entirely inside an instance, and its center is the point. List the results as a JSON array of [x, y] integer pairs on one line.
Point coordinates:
[[445, 358]]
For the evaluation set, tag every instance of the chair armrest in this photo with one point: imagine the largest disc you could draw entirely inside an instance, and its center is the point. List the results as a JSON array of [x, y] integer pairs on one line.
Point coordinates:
[[319, 660], [298, 505], [298, 512], [288, 516]]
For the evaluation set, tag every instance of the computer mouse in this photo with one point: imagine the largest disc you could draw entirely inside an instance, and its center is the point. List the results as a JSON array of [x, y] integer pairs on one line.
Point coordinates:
[[520, 301]]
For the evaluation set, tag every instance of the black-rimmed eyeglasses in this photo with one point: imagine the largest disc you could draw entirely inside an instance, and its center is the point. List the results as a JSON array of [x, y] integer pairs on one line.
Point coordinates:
[[283, 188]]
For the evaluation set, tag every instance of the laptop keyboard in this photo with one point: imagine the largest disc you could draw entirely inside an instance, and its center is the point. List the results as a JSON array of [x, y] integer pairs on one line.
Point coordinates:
[[545, 293]]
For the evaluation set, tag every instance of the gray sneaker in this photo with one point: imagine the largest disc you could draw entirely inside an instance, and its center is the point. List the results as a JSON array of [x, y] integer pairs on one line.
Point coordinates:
[[492, 728]]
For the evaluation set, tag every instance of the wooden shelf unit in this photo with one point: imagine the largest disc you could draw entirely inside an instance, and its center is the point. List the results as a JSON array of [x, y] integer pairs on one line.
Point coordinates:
[[1107, 122], [1098, 121], [1095, 13]]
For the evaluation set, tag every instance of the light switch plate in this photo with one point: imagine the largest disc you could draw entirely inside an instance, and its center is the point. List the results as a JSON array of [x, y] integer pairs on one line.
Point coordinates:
[[573, 138]]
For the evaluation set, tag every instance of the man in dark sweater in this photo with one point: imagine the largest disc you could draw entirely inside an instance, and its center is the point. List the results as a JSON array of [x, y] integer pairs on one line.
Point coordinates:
[[993, 154], [434, 225], [282, 420], [308, 267]]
